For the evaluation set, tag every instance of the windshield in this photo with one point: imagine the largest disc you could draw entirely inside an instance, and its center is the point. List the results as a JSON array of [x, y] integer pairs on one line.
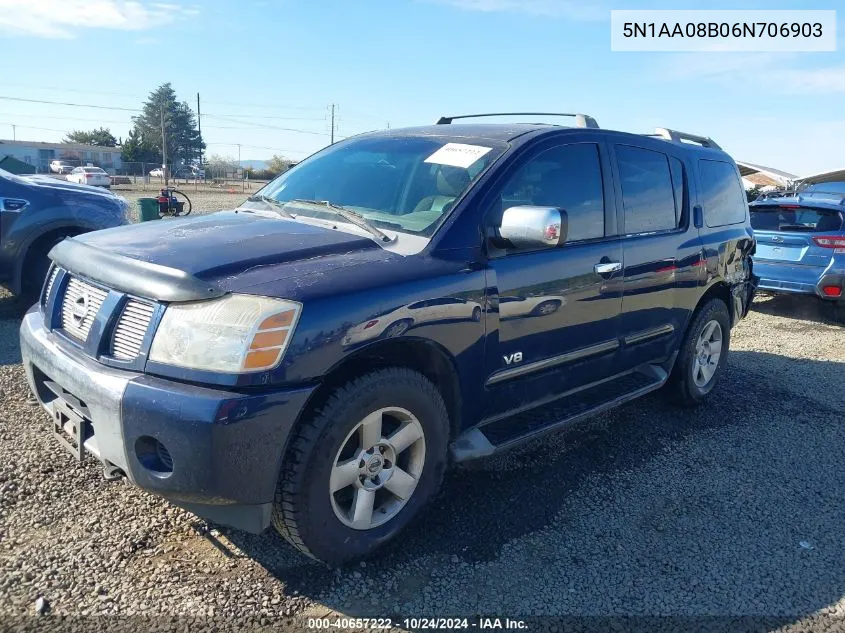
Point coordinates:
[[408, 184]]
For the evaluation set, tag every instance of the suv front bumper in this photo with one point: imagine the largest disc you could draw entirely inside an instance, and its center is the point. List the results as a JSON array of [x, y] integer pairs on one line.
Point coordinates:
[[223, 449]]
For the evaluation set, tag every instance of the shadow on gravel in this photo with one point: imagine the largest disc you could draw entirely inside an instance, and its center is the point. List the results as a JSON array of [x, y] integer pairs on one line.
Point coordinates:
[[553, 483], [795, 307], [12, 307], [12, 310]]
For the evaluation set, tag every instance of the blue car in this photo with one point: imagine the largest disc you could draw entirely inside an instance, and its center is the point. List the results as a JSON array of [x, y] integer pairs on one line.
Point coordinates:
[[36, 213], [801, 242], [315, 359]]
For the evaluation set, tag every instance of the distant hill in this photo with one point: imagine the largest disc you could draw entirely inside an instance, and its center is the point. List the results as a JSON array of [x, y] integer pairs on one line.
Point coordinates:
[[255, 164]]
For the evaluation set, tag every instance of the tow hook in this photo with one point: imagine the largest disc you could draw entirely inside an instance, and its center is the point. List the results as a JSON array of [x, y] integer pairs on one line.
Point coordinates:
[[112, 472]]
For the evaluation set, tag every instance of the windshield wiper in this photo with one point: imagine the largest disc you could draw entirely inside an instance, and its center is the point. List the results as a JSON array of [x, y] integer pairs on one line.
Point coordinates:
[[277, 206], [353, 216]]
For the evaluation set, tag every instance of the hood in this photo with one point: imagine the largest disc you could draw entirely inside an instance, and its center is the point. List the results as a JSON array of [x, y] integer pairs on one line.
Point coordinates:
[[218, 248]]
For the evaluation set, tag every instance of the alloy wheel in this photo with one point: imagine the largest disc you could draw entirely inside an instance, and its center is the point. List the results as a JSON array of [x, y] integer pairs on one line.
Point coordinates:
[[708, 351], [377, 468]]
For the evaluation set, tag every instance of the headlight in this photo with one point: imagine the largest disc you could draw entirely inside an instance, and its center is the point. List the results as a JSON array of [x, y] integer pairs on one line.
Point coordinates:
[[233, 334]]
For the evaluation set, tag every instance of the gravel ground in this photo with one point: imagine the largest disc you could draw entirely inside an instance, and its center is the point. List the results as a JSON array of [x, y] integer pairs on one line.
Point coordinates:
[[205, 199], [733, 509]]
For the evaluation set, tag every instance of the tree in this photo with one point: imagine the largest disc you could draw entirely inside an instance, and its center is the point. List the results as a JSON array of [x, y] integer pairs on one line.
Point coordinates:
[[219, 166], [279, 164], [184, 143], [101, 137], [139, 149], [752, 194]]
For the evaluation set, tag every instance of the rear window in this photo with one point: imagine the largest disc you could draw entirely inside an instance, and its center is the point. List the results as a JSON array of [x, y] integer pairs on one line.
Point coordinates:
[[94, 170], [802, 219], [721, 192]]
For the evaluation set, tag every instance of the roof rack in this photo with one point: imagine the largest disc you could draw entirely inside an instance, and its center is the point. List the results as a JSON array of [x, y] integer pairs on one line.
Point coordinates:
[[581, 120], [679, 137]]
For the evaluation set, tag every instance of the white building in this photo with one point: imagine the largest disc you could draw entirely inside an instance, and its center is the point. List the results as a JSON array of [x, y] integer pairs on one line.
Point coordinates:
[[40, 154]]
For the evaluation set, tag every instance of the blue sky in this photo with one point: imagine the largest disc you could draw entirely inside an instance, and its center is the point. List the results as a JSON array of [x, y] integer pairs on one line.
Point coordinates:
[[263, 65]]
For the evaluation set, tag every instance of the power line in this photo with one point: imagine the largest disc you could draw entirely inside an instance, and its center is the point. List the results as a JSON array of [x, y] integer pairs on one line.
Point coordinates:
[[102, 121], [266, 107], [263, 116], [32, 127], [137, 96], [81, 90], [231, 117], [124, 109], [219, 116], [75, 105], [266, 126], [272, 149], [66, 118]]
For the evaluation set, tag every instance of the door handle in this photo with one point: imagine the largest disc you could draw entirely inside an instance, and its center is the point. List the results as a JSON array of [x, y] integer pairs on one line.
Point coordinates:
[[606, 268]]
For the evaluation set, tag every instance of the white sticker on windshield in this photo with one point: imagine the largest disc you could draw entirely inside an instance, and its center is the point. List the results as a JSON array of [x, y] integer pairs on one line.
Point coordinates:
[[457, 155]]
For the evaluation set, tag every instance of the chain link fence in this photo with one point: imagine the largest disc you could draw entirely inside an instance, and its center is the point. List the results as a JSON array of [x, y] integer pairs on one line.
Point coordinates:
[[151, 177]]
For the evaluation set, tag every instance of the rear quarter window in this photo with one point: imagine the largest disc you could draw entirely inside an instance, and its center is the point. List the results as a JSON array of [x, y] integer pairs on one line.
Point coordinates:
[[722, 195]]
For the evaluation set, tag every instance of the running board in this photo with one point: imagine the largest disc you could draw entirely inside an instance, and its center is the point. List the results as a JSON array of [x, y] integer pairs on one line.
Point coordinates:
[[503, 433]]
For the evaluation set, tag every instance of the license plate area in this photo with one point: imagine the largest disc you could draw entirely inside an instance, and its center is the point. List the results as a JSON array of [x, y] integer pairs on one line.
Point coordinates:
[[71, 428]]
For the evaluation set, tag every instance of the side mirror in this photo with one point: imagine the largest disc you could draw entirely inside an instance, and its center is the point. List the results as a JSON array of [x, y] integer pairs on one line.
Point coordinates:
[[526, 227]]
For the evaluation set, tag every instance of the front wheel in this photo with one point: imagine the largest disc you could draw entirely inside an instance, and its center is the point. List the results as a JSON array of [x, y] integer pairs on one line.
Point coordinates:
[[546, 308], [397, 329], [702, 355], [363, 466]]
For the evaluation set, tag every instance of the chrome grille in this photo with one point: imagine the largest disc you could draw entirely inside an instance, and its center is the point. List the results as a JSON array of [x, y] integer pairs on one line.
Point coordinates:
[[131, 328], [52, 278], [80, 305]]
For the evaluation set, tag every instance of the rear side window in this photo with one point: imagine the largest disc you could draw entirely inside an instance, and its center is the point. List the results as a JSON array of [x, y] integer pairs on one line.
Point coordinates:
[[568, 177], [721, 193], [648, 194], [797, 219]]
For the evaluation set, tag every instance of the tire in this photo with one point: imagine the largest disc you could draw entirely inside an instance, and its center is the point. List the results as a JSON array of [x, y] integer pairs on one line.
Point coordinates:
[[685, 383], [838, 312], [318, 522], [476, 314], [397, 329], [36, 266], [546, 308]]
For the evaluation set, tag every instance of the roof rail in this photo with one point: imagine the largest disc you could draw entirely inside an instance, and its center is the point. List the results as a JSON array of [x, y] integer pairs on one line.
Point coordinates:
[[679, 137], [581, 120]]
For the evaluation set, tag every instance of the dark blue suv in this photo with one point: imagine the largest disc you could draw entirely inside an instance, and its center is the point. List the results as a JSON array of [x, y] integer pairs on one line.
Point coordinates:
[[401, 300]]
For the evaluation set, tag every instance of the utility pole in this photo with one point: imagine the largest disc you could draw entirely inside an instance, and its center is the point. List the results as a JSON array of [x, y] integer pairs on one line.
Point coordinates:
[[164, 149], [239, 167], [199, 125], [14, 133], [332, 124]]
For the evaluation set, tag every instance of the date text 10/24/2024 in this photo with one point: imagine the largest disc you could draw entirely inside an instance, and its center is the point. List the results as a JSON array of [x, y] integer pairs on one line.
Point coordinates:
[[416, 624]]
